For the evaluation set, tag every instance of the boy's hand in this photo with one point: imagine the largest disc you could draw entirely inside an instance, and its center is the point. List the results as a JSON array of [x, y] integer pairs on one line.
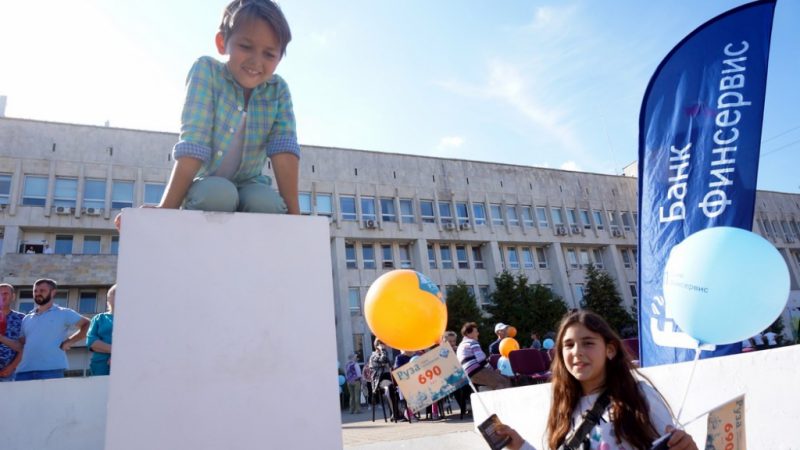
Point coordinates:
[[507, 431], [118, 219]]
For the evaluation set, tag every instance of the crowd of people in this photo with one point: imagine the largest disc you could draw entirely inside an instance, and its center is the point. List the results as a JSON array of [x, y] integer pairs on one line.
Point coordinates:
[[34, 346]]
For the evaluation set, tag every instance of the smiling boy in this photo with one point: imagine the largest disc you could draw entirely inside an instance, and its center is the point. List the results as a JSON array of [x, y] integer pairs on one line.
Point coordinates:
[[235, 116]]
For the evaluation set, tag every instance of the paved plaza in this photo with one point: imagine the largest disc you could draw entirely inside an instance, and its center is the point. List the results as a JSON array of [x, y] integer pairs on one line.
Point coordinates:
[[359, 431]]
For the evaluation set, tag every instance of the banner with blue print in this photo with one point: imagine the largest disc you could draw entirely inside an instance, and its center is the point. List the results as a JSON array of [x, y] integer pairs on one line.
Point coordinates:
[[699, 143]]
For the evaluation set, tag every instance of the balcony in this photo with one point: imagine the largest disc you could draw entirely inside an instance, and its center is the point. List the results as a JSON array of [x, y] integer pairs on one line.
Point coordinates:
[[68, 270]]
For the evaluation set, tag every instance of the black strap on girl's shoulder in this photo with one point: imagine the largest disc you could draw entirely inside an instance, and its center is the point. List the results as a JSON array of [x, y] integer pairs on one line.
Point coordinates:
[[591, 418]]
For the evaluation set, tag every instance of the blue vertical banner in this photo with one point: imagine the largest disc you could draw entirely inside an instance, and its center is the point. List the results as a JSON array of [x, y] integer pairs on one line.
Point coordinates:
[[699, 143]]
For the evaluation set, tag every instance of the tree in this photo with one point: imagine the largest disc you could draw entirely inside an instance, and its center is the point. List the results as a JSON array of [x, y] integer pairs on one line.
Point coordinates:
[[601, 296], [777, 328], [462, 307], [527, 307]]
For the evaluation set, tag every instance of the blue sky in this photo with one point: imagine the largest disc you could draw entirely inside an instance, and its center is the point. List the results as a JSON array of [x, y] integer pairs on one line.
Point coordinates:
[[543, 83]]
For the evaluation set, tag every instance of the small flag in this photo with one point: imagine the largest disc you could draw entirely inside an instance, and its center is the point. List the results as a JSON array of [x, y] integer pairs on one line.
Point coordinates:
[[725, 430]]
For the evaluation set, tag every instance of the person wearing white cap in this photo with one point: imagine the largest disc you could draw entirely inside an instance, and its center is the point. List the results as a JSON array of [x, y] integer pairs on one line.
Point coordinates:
[[500, 330]]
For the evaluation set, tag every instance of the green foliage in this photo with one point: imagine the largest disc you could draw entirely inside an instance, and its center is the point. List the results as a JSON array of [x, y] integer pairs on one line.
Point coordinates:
[[462, 307], [529, 308], [601, 296]]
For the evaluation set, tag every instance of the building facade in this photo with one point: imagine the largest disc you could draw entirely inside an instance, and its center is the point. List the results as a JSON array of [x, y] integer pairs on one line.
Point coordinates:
[[61, 185]]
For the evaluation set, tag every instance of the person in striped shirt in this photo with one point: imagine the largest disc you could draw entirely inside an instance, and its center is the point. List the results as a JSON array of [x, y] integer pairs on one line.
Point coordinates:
[[474, 361]]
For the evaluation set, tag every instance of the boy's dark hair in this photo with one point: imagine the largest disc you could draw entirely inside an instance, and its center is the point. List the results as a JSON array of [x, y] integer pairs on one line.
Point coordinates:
[[46, 281], [238, 11], [468, 327]]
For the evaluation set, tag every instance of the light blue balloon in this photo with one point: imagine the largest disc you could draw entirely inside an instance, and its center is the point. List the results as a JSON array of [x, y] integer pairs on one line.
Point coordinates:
[[548, 344], [341, 380], [504, 365], [723, 285]]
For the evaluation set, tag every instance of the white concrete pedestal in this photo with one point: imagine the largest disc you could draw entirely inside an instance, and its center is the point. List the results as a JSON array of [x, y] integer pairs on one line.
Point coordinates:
[[224, 333]]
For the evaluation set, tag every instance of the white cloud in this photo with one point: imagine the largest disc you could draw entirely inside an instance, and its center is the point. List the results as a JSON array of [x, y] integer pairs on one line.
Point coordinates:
[[570, 165], [450, 142]]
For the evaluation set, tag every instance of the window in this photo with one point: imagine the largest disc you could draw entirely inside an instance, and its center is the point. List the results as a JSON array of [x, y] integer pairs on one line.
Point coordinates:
[[572, 258], [447, 258], [598, 219], [88, 302], [776, 227], [513, 258], [431, 257], [585, 257], [347, 205], [541, 215], [407, 210], [354, 300], [587, 221], [34, 192], [527, 216], [634, 256], [154, 191], [558, 216], [5, 188], [795, 228], [497, 214], [65, 192], [91, 245], [579, 294], [426, 211], [324, 204], [405, 256], [115, 245], [121, 194], [445, 212], [483, 290], [63, 244], [304, 199], [766, 226], [350, 256], [613, 222], [368, 255], [387, 257], [626, 220], [572, 217], [471, 290], [477, 257], [94, 194], [388, 213], [785, 226], [598, 258], [626, 258], [462, 212], [796, 256], [368, 208], [541, 256], [61, 299], [25, 302], [636, 219], [461, 256], [527, 258], [479, 213], [634, 291], [511, 215]]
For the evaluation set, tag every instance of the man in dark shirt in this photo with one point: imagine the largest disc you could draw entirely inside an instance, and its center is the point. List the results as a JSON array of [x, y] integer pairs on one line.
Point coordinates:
[[500, 330]]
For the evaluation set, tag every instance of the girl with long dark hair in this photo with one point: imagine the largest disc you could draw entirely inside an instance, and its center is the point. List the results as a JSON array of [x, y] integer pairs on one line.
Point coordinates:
[[590, 360]]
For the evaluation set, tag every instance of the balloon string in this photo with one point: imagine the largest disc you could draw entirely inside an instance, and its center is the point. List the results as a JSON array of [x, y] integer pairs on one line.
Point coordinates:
[[477, 395], [688, 383]]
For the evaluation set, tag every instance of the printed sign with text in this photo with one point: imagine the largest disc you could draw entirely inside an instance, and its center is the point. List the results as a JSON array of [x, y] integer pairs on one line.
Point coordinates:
[[430, 377]]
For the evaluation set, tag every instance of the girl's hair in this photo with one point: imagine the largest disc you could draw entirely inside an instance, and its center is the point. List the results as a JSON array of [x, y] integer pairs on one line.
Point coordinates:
[[238, 11], [629, 411]]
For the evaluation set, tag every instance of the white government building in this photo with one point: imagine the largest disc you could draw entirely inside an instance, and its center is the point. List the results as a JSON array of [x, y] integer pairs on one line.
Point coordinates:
[[62, 184]]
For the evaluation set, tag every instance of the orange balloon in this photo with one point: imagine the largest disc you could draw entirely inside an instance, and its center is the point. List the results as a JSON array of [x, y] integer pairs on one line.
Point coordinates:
[[508, 345], [404, 309], [511, 332]]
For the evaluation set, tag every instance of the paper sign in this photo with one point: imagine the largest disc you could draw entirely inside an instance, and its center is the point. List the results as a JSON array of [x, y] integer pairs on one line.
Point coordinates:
[[726, 426], [430, 377]]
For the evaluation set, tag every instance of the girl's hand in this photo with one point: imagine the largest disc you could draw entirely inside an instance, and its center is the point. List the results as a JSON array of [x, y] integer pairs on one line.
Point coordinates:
[[680, 440], [507, 431]]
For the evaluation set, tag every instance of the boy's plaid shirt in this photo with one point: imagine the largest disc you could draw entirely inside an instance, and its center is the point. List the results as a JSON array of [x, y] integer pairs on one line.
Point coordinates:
[[213, 110]]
